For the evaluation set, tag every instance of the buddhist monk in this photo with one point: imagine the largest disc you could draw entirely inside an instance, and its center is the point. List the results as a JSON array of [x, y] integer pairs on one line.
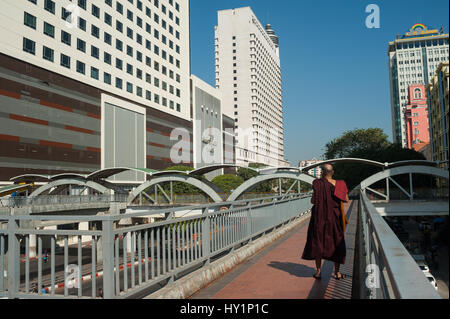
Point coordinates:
[[325, 239]]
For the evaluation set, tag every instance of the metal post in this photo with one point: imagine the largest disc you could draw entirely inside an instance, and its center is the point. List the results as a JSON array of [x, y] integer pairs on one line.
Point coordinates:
[[411, 187], [108, 259], [206, 237], [66, 264], [13, 258], [249, 222], [52, 263], [387, 189]]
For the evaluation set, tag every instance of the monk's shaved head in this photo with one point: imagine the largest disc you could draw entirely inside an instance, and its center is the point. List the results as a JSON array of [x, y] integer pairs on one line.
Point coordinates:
[[327, 170]]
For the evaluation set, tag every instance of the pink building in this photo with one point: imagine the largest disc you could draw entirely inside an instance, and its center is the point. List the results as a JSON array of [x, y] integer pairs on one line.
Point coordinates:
[[416, 116]]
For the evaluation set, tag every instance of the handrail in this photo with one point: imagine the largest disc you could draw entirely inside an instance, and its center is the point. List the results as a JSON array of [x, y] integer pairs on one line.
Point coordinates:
[[153, 252], [42, 200], [393, 272]]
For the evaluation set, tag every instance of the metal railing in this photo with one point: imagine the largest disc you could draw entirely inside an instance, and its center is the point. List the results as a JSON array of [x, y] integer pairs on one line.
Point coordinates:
[[419, 194], [132, 259], [390, 271], [22, 201]]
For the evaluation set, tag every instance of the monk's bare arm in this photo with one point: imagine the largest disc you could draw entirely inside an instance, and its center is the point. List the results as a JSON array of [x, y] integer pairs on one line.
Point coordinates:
[[346, 199]]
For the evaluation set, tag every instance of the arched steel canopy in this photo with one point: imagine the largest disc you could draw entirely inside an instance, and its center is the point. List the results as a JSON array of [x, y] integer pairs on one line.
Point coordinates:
[[68, 176], [370, 162], [414, 169], [254, 181], [345, 160], [271, 170], [109, 172], [100, 188], [31, 178], [205, 187], [412, 162], [211, 168]]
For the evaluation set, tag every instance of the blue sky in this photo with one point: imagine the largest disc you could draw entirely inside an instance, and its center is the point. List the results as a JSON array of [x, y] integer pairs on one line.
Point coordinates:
[[335, 71]]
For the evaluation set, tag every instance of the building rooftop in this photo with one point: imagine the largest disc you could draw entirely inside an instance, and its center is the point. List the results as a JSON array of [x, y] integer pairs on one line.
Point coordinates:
[[418, 32]]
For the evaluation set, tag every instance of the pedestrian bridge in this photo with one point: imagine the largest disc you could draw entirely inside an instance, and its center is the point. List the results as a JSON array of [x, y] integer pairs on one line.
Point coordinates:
[[132, 254]]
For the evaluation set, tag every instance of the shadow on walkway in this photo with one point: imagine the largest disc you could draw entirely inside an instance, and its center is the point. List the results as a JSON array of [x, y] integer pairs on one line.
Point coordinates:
[[294, 269]]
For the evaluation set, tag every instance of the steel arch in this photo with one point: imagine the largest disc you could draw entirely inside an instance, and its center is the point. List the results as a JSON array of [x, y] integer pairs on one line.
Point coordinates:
[[369, 162], [426, 170], [389, 173], [100, 188], [345, 160], [207, 189], [252, 182]]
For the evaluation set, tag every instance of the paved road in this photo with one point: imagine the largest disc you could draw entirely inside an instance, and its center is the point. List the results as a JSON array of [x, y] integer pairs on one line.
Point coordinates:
[[441, 273]]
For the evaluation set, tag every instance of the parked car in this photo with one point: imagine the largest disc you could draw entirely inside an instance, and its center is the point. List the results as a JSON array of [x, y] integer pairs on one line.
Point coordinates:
[[432, 280], [423, 266]]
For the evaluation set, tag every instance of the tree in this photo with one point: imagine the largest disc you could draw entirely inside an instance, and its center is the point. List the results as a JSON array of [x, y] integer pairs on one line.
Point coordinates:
[[356, 140], [178, 187], [227, 182], [286, 183], [246, 174], [371, 144]]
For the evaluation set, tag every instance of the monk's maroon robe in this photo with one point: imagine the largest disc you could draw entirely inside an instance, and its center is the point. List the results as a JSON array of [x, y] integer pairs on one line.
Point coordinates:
[[325, 237]]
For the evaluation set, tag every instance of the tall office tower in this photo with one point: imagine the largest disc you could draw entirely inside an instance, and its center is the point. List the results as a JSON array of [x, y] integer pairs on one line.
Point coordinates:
[[413, 59], [438, 111], [91, 84], [248, 74]]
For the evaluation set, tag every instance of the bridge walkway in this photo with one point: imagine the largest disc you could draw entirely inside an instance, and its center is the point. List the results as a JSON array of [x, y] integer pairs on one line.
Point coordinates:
[[278, 272]]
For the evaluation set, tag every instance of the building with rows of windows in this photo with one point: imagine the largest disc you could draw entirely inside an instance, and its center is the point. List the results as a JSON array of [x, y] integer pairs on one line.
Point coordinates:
[[86, 85], [438, 100], [248, 75], [413, 59]]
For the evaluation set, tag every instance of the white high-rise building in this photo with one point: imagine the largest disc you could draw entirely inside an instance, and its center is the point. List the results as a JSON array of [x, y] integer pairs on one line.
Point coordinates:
[[91, 84], [132, 48], [248, 74], [413, 59]]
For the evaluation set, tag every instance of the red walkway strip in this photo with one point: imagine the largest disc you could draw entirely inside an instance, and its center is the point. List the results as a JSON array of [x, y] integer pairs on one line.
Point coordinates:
[[279, 274]]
